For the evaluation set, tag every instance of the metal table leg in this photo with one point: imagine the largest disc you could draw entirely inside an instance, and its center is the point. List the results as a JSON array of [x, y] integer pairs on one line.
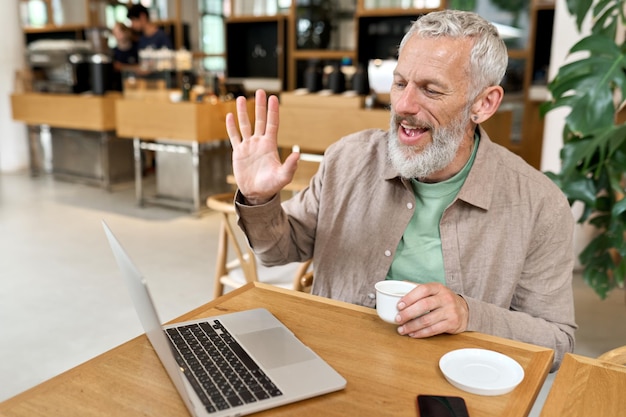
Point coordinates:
[[195, 177], [138, 171]]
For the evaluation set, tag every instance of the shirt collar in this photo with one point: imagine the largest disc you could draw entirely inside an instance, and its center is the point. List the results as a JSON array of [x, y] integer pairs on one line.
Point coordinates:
[[478, 187]]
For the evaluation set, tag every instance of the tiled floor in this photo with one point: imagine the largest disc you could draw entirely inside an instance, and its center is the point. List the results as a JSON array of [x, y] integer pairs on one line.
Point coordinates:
[[62, 300]]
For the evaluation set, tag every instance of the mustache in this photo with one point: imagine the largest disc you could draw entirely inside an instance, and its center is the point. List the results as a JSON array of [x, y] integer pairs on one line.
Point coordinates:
[[411, 121]]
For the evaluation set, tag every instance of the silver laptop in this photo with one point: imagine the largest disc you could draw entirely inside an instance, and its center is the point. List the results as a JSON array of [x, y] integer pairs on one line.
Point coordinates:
[[231, 364]]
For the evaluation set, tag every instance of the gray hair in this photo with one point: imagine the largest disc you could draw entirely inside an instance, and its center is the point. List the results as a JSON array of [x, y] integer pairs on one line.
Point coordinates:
[[488, 57]]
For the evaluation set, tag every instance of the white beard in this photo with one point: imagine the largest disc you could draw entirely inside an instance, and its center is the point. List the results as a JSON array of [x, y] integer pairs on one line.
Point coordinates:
[[411, 162]]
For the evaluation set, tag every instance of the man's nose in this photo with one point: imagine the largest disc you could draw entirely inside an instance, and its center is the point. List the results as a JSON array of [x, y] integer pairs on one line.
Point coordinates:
[[408, 101]]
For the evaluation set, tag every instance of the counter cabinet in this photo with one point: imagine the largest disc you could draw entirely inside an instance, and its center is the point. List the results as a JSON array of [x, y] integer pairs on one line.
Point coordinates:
[[73, 137], [191, 147]]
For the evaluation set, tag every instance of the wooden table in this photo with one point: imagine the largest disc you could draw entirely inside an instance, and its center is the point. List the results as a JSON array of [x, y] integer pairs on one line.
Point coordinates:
[[384, 371], [587, 387]]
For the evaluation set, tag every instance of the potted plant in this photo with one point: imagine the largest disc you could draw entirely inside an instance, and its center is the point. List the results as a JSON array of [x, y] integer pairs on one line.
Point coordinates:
[[593, 157]]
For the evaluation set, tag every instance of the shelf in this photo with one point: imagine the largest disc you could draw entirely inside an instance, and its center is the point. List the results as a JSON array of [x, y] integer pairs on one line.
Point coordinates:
[[393, 12], [322, 54], [544, 4], [518, 53], [252, 19], [53, 28]]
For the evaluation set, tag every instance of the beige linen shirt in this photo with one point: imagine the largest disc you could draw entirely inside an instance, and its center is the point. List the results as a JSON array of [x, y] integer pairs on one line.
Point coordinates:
[[506, 238]]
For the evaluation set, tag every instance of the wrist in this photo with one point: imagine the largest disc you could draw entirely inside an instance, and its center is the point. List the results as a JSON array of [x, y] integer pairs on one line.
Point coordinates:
[[255, 201], [464, 317]]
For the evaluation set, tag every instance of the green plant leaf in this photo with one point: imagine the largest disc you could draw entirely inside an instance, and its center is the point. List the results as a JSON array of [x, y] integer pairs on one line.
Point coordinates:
[[581, 188], [579, 9], [619, 208], [586, 85], [593, 169], [617, 139], [606, 14], [594, 110], [574, 153], [600, 221], [597, 45]]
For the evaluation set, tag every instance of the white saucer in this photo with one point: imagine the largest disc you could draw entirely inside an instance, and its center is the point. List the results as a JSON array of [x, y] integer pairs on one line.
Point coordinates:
[[481, 371]]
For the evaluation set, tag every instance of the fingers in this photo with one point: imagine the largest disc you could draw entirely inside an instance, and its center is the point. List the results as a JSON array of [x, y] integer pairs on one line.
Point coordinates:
[[271, 127], [231, 129], [265, 118], [432, 309], [290, 165], [244, 119], [260, 112]]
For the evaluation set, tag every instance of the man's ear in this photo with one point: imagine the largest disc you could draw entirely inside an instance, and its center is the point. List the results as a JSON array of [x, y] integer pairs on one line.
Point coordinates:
[[487, 103]]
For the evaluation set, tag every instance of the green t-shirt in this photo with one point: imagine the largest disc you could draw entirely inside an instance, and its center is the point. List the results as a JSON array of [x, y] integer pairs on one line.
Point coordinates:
[[418, 257]]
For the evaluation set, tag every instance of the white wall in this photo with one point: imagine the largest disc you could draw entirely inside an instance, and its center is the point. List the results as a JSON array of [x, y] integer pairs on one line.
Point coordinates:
[[565, 35], [13, 144]]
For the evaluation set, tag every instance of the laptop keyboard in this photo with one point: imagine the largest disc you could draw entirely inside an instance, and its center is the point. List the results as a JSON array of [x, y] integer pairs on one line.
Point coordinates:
[[217, 367]]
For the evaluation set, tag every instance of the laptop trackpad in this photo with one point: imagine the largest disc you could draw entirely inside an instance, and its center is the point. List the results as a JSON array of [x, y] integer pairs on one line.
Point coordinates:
[[275, 347]]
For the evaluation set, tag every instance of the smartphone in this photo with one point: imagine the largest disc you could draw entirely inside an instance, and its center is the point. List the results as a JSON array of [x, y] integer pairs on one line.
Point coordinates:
[[441, 406]]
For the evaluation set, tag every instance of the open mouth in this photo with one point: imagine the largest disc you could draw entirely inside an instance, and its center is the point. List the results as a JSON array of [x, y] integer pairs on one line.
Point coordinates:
[[412, 131], [412, 134]]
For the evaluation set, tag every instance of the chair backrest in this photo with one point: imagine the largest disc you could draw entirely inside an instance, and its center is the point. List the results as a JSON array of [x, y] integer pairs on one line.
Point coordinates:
[[586, 387], [616, 356], [244, 260]]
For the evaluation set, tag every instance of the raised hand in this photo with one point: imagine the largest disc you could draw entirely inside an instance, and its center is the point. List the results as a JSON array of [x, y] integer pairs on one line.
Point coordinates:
[[258, 171]]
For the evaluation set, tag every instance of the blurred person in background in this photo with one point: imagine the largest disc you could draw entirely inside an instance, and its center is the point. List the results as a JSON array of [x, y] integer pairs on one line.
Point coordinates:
[[125, 52], [151, 36]]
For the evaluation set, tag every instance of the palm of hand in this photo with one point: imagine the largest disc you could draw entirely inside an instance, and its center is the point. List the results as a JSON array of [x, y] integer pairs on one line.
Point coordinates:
[[257, 168]]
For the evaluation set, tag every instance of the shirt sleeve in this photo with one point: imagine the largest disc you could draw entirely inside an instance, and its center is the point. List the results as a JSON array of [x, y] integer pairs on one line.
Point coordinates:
[[277, 237]]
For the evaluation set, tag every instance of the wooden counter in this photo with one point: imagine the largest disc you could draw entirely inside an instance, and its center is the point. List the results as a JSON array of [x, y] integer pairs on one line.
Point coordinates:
[[190, 143], [189, 121], [314, 122], [70, 111], [72, 136]]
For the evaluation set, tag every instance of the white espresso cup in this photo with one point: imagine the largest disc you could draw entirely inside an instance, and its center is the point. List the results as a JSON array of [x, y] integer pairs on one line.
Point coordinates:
[[388, 294]]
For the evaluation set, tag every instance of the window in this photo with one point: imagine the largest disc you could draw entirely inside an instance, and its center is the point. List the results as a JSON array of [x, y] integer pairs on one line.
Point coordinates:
[[212, 42]]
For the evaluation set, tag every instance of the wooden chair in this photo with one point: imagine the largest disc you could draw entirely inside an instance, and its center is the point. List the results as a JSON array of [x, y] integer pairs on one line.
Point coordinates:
[[586, 387], [242, 268], [617, 356]]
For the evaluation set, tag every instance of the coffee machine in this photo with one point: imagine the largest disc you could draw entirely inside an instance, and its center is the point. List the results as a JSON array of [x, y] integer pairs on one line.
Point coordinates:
[[60, 65]]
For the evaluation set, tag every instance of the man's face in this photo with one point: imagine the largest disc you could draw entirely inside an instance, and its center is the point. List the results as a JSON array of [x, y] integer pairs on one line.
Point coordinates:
[[136, 24], [430, 111]]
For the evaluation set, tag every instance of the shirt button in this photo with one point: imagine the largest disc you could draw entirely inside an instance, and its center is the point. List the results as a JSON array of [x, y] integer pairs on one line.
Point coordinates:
[[409, 205], [387, 252], [371, 296]]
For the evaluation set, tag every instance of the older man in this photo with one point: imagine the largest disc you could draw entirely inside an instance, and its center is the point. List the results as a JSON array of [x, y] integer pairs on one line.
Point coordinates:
[[432, 200]]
